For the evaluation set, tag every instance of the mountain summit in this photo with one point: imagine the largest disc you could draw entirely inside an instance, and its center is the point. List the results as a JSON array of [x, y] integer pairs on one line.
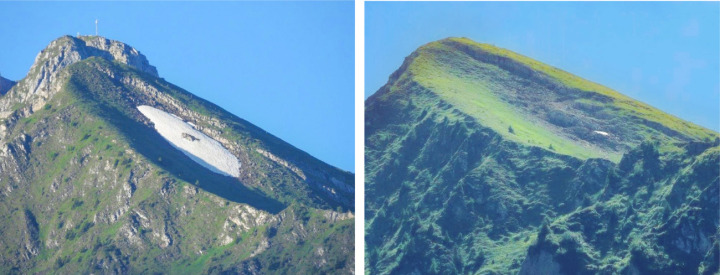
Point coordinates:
[[544, 105], [105, 167], [41, 82], [481, 160]]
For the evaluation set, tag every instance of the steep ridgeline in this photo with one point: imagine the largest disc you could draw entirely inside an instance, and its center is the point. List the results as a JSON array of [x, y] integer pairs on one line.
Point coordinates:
[[483, 161], [107, 168]]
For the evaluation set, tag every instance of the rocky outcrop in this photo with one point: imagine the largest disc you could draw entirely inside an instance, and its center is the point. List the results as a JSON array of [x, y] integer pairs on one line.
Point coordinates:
[[337, 216], [44, 77], [282, 162], [32, 234], [118, 51]]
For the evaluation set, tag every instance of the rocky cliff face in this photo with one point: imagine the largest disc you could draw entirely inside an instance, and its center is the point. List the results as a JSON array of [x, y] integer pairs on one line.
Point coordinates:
[[451, 190], [89, 186]]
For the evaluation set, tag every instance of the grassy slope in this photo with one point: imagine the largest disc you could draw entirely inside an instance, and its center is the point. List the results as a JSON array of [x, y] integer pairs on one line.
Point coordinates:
[[625, 103], [489, 93], [478, 98]]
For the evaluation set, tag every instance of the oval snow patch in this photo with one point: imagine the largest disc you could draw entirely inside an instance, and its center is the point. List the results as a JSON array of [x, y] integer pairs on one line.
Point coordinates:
[[202, 149]]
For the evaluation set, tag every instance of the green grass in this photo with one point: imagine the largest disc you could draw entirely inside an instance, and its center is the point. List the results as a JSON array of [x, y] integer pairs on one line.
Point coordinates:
[[505, 254], [199, 265], [478, 98], [627, 104]]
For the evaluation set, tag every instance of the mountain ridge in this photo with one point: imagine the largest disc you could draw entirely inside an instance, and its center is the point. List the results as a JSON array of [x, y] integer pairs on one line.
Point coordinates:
[[581, 106]]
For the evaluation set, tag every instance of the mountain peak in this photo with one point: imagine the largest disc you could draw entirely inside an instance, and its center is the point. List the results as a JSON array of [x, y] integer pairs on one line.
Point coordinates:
[[41, 81], [543, 105], [67, 50]]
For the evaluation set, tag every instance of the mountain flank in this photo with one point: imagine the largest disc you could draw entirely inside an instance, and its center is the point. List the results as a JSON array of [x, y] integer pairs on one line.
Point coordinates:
[[480, 160], [90, 184]]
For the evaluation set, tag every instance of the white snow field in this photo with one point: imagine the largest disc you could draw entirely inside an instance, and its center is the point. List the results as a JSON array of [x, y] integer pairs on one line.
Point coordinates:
[[202, 149]]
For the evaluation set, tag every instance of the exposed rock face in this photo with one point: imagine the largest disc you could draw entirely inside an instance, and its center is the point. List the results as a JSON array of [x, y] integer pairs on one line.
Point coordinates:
[[46, 77], [32, 237], [189, 137], [118, 51], [282, 162]]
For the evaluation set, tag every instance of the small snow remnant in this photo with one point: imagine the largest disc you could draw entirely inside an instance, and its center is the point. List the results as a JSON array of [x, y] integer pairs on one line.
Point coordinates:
[[601, 133], [202, 149]]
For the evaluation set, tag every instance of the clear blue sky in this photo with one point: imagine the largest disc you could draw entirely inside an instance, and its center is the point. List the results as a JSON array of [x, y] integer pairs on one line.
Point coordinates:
[[666, 54], [287, 67]]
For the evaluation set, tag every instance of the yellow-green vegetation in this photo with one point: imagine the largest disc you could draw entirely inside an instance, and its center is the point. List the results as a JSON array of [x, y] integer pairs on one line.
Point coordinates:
[[479, 98], [626, 104]]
